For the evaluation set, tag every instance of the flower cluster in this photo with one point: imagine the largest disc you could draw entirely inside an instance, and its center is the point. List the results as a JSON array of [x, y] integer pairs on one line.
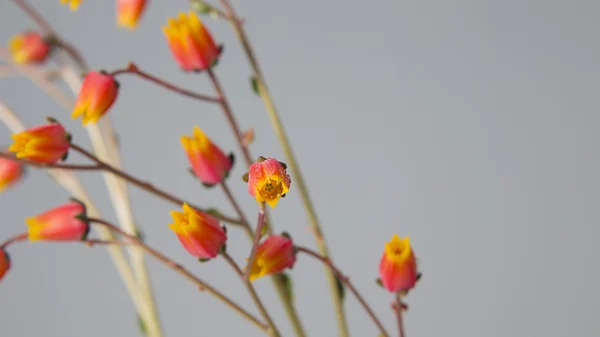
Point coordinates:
[[201, 232]]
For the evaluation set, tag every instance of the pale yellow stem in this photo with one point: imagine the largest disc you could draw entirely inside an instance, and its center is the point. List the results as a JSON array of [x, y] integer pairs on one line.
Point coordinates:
[[291, 162], [106, 149], [69, 181]]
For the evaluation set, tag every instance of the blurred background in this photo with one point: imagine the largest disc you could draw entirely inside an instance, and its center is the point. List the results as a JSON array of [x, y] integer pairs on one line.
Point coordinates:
[[470, 126]]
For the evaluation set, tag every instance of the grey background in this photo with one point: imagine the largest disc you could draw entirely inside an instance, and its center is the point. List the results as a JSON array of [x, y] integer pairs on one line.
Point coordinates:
[[470, 126]]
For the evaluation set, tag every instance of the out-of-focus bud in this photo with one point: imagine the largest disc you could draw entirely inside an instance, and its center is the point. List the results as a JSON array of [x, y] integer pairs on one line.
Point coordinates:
[[73, 4], [98, 93], [129, 12], [4, 263], [29, 48], [10, 172], [208, 162], [191, 43]]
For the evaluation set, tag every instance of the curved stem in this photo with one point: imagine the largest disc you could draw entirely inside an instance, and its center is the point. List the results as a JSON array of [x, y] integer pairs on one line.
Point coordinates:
[[244, 221], [263, 311], [51, 166], [145, 185], [16, 238], [132, 68], [288, 306], [397, 306], [257, 234], [329, 264], [290, 160], [229, 115], [181, 270]]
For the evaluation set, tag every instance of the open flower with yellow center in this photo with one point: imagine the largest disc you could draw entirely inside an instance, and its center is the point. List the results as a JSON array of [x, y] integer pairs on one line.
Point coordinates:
[[199, 233], [10, 172], [29, 48], [129, 12], [273, 255], [45, 144], [398, 267], [73, 4], [191, 43], [98, 93], [64, 223], [208, 162], [268, 181]]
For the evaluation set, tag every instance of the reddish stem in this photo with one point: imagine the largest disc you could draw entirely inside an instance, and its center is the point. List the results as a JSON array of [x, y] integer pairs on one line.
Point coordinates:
[[257, 234], [16, 238], [239, 135], [345, 280], [397, 306], [48, 30], [132, 68], [177, 268]]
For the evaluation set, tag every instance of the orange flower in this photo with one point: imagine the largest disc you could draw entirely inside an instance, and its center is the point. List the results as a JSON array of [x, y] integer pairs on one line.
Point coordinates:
[[129, 12], [274, 255], [208, 162], [268, 181], [45, 144], [191, 43], [199, 233], [10, 172], [64, 223], [398, 267], [73, 4], [4, 263], [98, 93], [29, 48]]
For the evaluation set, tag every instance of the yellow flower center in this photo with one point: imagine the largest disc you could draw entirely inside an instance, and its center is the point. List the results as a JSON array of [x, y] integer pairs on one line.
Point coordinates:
[[271, 190]]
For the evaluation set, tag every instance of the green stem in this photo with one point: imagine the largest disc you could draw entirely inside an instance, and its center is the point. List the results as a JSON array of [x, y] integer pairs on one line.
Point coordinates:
[[288, 305], [292, 164], [261, 307]]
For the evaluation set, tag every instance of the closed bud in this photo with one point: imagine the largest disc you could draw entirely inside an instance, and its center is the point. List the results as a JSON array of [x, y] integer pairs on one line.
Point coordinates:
[[98, 93], [64, 223], [47, 143]]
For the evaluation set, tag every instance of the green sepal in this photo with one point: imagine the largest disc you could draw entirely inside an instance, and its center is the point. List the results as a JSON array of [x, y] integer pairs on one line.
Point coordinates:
[[341, 289], [286, 281], [286, 235], [201, 7], [142, 325], [203, 260], [254, 85]]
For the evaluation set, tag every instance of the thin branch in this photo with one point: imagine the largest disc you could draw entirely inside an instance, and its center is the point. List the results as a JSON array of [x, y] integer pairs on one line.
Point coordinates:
[[145, 185], [263, 311], [73, 167], [239, 136], [132, 68], [290, 160], [346, 281], [397, 306], [16, 238], [257, 234], [181, 270], [244, 221]]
